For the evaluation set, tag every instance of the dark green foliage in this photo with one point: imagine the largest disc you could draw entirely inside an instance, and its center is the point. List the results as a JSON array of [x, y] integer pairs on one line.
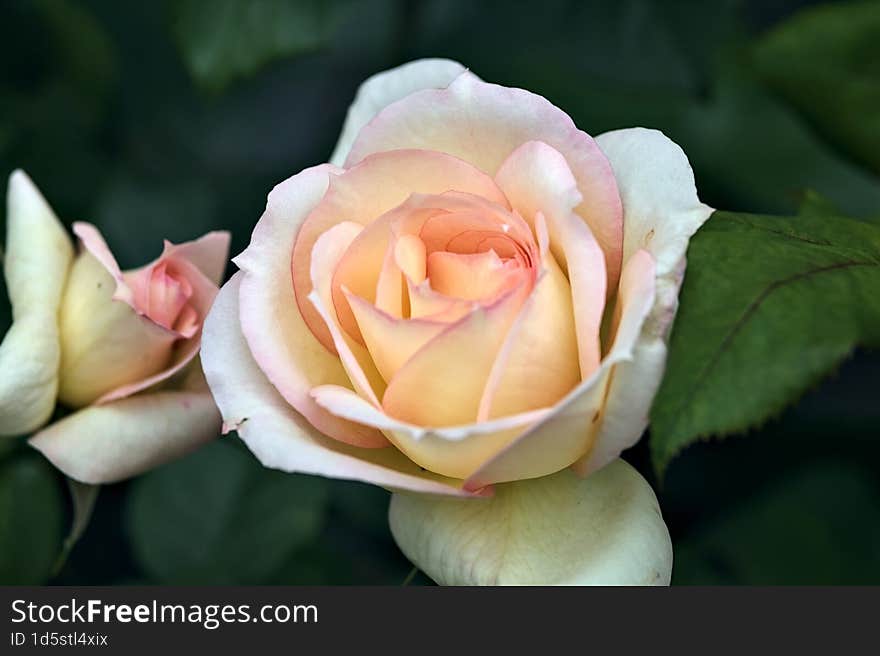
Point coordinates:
[[826, 62], [223, 40], [820, 524], [31, 507], [218, 516], [769, 306]]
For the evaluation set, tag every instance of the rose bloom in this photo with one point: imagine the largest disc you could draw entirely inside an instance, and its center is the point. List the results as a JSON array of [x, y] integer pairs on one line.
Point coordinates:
[[474, 292], [118, 348]]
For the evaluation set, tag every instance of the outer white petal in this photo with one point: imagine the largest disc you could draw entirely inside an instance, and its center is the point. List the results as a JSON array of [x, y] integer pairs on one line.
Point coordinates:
[[556, 530], [387, 87], [661, 213], [280, 437], [656, 183], [124, 438], [37, 258]]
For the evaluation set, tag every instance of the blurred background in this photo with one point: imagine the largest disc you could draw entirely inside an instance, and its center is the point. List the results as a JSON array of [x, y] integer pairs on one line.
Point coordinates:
[[169, 119]]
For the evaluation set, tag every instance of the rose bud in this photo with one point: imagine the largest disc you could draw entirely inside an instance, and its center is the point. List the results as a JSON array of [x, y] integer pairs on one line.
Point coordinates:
[[117, 347]]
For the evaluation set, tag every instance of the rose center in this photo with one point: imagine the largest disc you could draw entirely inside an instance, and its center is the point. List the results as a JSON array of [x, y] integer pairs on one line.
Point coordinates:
[[435, 258], [165, 299]]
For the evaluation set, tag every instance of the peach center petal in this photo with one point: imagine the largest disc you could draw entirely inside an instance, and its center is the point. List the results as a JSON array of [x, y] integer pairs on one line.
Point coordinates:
[[436, 270], [433, 257], [473, 276]]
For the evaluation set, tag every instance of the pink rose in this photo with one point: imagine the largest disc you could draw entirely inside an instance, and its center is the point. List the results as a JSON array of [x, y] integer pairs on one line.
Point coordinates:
[[116, 347], [474, 292]]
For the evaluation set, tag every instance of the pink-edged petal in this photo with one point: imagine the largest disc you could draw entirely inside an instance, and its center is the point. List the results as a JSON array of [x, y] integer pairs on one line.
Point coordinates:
[[204, 292], [209, 253], [130, 284], [355, 359], [37, 259], [390, 340], [281, 343], [441, 384], [384, 88], [482, 124], [105, 344], [367, 191], [279, 436], [108, 443], [662, 211], [569, 431], [94, 243], [538, 362], [536, 178], [454, 450], [471, 219], [164, 295]]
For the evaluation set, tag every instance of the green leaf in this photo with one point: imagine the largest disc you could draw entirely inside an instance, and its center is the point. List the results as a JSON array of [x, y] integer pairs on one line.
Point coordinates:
[[219, 517], [223, 40], [817, 526], [825, 62], [769, 306], [30, 520]]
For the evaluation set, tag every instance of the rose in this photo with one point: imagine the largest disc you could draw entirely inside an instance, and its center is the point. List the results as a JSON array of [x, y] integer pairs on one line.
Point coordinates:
[[485, 291], [116, 347]]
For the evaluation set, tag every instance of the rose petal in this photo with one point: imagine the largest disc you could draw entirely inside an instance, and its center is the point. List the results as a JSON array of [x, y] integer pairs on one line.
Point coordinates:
[[482, 124], [391, 341], [404, 262], [384, 88], [473, 277], [442, 383], [536, 178], [662, 212], [281, 343], [425, 303], [200, 259], [118, 440], [556, 530], [37, 258], [280, 437], [438, 220], [458, 449], [210, 253], [355, 359], [569, 431], [538, 363], [367, 191], [204, 292], [659, 194], [105, 343]]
